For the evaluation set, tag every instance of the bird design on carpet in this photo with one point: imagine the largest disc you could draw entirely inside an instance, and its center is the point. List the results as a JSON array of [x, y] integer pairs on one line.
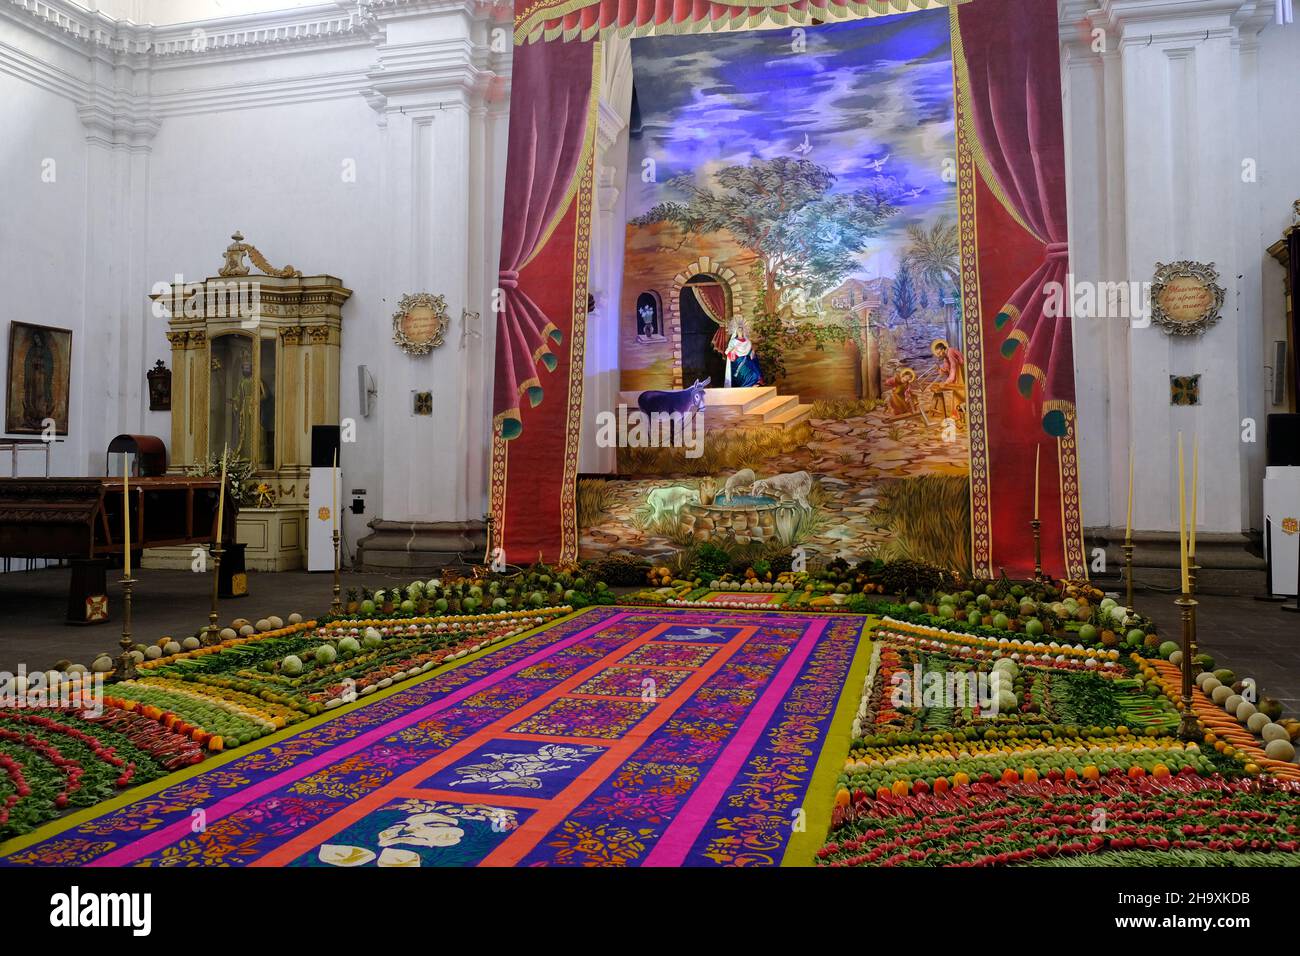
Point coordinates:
[[523, 771]]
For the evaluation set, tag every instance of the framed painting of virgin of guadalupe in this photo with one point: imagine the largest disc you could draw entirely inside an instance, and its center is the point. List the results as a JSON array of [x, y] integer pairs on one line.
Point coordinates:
[[40, 369]]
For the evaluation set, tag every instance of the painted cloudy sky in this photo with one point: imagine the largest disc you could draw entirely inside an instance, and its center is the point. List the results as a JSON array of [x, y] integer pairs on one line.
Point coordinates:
[[861, 92]]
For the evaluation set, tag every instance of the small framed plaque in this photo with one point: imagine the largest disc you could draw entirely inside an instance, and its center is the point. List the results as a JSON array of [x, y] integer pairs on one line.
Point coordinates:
[[1186, 297], [420, 323]]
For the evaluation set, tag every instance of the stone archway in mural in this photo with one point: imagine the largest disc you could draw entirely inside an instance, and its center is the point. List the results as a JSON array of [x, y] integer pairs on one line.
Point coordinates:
[[725, 276]]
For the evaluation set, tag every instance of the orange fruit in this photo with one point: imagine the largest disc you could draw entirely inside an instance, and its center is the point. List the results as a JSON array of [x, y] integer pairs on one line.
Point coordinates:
[[1136, 771], [1091, 772], [940, 785], [1071, 774], [1160, 770], [1010, 776], [900, 788], [960, 779], [1030, 775]]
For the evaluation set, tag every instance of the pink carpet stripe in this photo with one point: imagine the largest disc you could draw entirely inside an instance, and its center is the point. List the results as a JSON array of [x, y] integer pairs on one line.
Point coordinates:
[[132, 852], [682, 833]]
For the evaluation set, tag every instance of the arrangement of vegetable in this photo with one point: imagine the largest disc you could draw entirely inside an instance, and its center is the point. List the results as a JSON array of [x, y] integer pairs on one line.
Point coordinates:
[[541, 586], [1077, 730], [232, 693], [54, 760]]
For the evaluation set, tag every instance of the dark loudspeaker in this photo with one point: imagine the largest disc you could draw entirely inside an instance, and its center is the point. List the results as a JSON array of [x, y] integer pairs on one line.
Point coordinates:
[[1283, 440], [324, 445]]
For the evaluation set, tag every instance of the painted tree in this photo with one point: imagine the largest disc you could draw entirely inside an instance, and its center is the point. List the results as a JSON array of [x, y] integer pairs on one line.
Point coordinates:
[[785, 212], [903, 294], [935, 257]]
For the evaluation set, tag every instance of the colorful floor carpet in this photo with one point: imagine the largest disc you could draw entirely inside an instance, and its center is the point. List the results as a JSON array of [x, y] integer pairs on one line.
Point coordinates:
[[617, 737]]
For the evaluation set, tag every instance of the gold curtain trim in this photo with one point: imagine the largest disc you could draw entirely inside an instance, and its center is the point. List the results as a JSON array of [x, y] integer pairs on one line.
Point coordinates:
[[538, 21], [704, 307], [1010, 311], [1035, 371], [962, 76], [1019, 336], [1059, 405]]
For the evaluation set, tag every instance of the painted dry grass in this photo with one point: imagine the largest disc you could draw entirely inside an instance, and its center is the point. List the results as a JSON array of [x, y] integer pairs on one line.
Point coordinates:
[[725, 452], [842, 408], [929, 516], [595, 497]]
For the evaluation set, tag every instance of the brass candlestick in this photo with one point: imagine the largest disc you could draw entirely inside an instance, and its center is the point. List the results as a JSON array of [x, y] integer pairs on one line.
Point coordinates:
[[1037, 525], [213, 632], [336, 606], [1128, 573], [126, 663], [1188, 728]]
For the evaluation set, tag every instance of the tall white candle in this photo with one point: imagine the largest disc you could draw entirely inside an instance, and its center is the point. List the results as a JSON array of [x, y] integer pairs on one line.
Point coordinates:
[[126, 516]]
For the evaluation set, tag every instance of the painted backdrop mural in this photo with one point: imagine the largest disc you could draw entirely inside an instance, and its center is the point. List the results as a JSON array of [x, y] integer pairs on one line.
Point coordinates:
[[792, 251]]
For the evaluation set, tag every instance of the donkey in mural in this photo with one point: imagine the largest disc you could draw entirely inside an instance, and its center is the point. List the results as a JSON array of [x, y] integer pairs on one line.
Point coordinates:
[[672, 406]]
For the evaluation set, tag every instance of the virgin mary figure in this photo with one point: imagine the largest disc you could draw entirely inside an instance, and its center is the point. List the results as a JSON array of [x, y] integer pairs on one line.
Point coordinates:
[[742, 366]]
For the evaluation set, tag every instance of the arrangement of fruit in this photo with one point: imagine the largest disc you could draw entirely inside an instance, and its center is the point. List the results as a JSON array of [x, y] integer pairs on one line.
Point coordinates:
[[540, 586], [54, 760], [233, 693], [1075, 611], [1066, 732]]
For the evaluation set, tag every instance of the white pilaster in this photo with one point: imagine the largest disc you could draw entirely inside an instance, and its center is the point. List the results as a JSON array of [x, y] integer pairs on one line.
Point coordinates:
[[430, 88], [111, 359], [1157, 144], [601, 378]]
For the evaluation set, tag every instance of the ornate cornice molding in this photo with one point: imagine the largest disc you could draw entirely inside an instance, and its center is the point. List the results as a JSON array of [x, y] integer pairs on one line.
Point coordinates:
[[429, 76], [1177, 20], [336, 23], [452, 71]]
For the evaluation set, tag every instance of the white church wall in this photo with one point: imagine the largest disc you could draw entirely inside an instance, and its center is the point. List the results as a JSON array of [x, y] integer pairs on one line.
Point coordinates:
[[1279, 184], [302, 183], [43, 228], [1160, 122], [371, 148]]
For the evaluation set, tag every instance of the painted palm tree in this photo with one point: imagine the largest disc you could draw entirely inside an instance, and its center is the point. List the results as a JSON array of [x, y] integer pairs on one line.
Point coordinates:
[[934, 256]]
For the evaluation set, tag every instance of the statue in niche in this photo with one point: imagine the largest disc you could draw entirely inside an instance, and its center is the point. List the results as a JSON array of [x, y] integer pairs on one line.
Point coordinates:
[[246, 405]]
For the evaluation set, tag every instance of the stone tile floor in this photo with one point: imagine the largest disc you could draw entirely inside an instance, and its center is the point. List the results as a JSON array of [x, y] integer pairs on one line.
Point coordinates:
[[1253, 638], [175, 603]]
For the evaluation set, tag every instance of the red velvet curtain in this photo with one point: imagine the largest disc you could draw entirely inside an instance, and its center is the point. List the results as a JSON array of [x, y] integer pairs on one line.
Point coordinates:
[[713, 300], [1014, 99], [550, 94]]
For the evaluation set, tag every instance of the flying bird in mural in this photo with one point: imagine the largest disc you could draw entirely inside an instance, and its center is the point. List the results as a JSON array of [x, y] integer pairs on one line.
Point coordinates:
[[876, 165], [804, 148]]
